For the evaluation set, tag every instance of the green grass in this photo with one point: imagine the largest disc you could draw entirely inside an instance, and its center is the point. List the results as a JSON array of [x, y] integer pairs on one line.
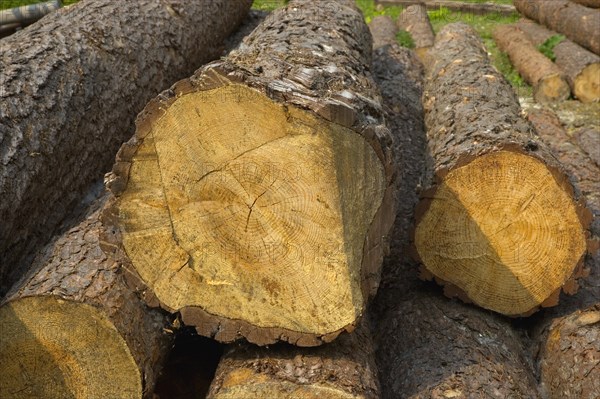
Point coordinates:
[[6, 4], [547, 48]]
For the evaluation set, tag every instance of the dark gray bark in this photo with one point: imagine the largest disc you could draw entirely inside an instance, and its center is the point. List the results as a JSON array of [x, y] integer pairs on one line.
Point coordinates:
[[384, 30], [71, 88]]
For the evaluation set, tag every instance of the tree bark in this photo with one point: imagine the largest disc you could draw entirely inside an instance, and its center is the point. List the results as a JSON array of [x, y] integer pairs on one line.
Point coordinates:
[[234, 231], [343, 369], [581, 67], [473, 8], [73, 328], [588, 3], [548, 81], [383, 30], [568, 336], [428, 346], [495, 191], [577, 22], [71, 88], [414, 20]]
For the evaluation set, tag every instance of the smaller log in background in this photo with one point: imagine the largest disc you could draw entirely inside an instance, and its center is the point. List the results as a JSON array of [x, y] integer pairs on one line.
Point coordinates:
[[414, 20], [426, 345], [575, 21], [547, 79], [466, 7], [581, 67]]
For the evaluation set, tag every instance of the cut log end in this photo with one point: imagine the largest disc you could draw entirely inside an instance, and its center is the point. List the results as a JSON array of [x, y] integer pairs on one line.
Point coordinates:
[[587, 84], [552, 88], [505, 230], [240, 207], [71, 360]]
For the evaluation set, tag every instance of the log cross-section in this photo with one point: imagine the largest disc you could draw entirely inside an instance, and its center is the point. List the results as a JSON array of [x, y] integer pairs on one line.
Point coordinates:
[[500, 223], [256, 196]]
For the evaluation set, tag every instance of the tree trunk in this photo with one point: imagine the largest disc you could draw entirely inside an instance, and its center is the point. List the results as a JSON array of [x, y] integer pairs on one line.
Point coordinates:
[[581, 67], [414, 20], [548, 81], [577, 22], [383, 30], [71, 88], [429, 346], [274, 230], [466, 7], [588, 3], [73, 328], [568, 356], [500, 210], [343, 369]]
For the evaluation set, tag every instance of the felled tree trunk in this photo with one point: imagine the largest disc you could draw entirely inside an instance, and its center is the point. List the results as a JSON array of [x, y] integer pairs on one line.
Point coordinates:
[[343, 369], [383, 30], [426, 345], [414, 20], [466, 7], [568, 356], [500, 210], [577, 22], [256, 196], [548, 81], [73, 328], [588, 3], [71, 88], [581, 67]]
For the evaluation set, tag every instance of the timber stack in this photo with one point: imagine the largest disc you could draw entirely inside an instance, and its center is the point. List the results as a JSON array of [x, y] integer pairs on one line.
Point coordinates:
[[291, 201]]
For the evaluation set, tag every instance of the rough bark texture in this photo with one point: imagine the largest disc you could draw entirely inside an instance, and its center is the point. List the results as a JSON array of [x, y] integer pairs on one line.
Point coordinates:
[[577, 22], [414, 20], [547, 79], [428, 346], [343, 369], [313, 56], [473, 8], [71, 88], [580, 66], [568, 336], [74, 269], [473, 117], [383, 30]]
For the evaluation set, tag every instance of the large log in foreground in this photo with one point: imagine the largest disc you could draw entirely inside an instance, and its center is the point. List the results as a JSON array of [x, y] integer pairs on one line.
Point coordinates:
[[429, 346], [73, 328], [577, 22], [499, 224], [71, 88], [548, 81], [581, 67], [344, 369], [255, 196]]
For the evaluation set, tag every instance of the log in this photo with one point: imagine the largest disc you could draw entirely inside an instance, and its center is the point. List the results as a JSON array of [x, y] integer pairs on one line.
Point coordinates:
[[71, 88], [343, 369], [426, 345], [588, 3], [548, 81], [276, 229], [27, 14], [73, 328], [456, 6], [507, 227], [581, 67], [414, 20], [575, 21], [383, 30]]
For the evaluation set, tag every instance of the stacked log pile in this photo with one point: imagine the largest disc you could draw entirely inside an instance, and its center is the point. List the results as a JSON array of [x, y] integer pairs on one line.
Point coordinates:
[[291, 200]]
